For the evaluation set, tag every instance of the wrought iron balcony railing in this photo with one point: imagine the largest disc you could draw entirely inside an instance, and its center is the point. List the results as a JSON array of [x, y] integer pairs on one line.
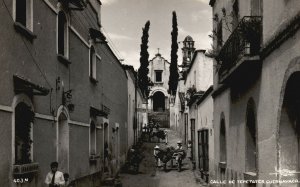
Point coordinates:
[[25, 168], [244, 41]]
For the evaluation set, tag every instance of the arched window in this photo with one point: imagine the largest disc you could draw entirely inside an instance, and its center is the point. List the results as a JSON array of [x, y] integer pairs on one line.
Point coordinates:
[[92, 63], [223, 150], [62, 34]]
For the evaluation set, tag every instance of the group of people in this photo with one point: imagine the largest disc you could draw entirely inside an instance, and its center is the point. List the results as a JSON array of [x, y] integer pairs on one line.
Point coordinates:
[[57, 178], [157, 149], [152, 130]]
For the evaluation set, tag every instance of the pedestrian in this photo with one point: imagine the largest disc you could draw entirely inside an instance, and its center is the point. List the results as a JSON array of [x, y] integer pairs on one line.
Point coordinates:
[[155, 153], [166, 137], [189, 149], [67, 182], [55, 178], [179, 145], [108, 159]]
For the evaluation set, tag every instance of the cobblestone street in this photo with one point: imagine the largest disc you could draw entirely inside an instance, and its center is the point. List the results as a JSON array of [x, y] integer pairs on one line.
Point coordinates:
[[150, 176]]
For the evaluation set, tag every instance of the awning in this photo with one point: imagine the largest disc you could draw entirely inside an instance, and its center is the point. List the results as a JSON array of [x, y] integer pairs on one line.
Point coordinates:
[[194, 98], [22, 85], [97, 112]]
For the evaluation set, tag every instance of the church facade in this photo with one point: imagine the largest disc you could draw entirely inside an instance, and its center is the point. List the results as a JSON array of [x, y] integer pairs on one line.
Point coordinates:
[[158, 102]]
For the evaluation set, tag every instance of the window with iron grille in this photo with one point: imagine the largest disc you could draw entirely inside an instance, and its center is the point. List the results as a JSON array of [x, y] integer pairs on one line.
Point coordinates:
[[203, 156]]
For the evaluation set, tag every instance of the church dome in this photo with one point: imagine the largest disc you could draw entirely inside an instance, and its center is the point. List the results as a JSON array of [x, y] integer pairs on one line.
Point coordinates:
[[188, 39]]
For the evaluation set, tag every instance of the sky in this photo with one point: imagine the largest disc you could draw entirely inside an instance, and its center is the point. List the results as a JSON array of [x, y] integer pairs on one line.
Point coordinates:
[[123, 20]]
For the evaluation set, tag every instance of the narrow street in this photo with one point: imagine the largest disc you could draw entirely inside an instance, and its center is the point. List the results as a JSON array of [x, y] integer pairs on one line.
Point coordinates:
[[150, 176]]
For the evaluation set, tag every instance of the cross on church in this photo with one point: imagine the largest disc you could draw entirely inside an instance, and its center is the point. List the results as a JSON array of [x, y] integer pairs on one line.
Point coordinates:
[[157, 50]]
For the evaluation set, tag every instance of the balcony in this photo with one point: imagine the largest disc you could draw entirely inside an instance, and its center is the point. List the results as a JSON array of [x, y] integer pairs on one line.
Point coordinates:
[[25, 168], [239, 57], [94, 157]]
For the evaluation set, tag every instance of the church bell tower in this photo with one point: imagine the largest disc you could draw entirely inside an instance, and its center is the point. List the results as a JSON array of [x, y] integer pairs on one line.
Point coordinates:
[[188, 50]]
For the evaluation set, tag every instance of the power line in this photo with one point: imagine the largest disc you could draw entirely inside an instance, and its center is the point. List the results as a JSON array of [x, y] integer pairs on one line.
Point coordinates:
[[27, 48], [111, 42], [114, 46]]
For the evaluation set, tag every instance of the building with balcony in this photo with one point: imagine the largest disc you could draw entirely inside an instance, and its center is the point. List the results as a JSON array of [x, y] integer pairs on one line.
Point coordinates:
[[192, 111], [58, 103], [256, 66]]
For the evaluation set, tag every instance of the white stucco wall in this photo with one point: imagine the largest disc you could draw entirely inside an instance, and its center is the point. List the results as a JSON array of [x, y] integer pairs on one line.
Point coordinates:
[[200, 73]]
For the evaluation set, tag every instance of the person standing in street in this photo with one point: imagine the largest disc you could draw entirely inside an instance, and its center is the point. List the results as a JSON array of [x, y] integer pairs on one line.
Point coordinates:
[[179, 145], [155, 154], [166, 137], [55, 178]]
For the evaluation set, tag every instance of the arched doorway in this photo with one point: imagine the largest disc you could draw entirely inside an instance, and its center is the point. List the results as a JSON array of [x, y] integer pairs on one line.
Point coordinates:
[[106, 147], [251, 145], [223, 151], [63, 143], [158, 101], [289, 129]]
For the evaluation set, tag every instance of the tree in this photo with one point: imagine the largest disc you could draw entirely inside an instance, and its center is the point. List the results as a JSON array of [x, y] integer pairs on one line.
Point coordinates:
[[143, 79], [174, 76]]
